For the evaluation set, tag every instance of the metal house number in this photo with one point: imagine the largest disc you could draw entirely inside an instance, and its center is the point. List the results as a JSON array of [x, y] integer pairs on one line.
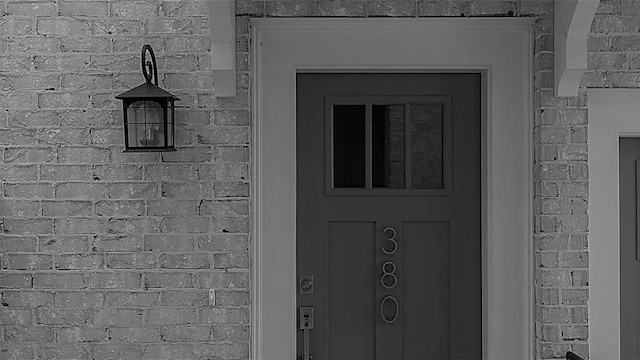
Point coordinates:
[[389, 280]]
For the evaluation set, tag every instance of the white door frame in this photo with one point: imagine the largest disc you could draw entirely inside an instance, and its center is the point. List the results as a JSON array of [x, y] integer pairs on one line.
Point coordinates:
[[500, 48], [613, 113]]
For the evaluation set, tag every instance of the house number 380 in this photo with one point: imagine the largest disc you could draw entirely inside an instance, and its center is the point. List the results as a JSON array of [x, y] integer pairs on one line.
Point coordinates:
[[389, 280]]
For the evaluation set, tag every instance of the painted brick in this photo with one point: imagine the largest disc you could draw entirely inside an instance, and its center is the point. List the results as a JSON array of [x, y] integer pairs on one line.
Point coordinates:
[[231, 189], [79, 261], [86, 44], [115, 280], [20, 208], [116, 351], [555, 314], [34, 44], [194, 224], [572, 333], [169, 351], [118, 172], [49, 316], [131, 261], [231, 154], [171, 316], [231, 225], [111, 316], [225, 350], [224, 242], [187, 190], [172, 207], [575, 259], [137, 190], [31, 8], [550, 333], [134, 334], [28, 227], [172, 172], [18, 172], [31, 298], [28, 155], [554, 278], [28, 334], [16, 26], [217, 315], [78, 299], [63, 244], [554, 351], [81, 191], [181, 26], [116, 243], [232, 260], [16, 352], [226, 280], [132, 299], [81, 225], [17, 244], [184, 261], [136, 225], [81, 334], [67, 208], [134, 9], [27, 262], [228, 171], [580, 278], [168, 280], [575, 296], [54, 351], [59, 281], [579, 314], [184, 8], [193, 154], [117, 27], [178, 243], [579, 242], [183, 333], [235, 333], [113, 208], [39, 118], [548, 296], [192, 297], [67, 172], [186, 43]]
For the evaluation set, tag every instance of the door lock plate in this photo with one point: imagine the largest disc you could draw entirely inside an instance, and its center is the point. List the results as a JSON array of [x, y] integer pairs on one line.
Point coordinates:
[[306, 318]]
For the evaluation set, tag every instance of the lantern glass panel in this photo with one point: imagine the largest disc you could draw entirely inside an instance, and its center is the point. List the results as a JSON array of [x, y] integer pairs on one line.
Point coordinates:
[[170, 126], [145, 124]]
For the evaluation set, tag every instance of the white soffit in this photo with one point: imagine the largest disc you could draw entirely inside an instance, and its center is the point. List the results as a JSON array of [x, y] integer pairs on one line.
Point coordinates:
[[572, 23], [222, 19]]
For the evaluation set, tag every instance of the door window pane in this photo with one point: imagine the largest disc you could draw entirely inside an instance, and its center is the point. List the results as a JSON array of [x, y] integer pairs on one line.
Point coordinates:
[[349, 146], [427, 146], [388, 144]]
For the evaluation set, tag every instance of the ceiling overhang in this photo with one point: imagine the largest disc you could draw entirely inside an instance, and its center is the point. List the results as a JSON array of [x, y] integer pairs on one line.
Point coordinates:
[[222, 19], [572, 24]]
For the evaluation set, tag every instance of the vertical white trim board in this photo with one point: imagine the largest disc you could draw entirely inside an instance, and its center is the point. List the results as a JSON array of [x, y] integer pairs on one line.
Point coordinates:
[[500, 48], [613, 113]]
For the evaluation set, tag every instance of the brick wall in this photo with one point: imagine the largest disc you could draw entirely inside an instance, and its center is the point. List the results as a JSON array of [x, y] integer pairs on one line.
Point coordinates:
[[106, 254], [111, 255]]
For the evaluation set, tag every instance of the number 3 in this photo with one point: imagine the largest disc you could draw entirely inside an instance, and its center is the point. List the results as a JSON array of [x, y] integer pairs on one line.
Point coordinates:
[[393, 241]]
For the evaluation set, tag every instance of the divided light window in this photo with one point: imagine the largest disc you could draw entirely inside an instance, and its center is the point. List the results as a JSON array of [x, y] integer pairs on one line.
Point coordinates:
[[388, 145]]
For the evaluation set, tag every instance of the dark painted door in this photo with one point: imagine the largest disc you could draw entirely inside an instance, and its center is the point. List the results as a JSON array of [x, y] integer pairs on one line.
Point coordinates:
[[629, 248], [389, 215]]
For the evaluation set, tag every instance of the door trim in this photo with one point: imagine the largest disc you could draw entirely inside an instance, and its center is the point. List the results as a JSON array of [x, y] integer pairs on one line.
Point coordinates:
[[283, 47], [613, 113]]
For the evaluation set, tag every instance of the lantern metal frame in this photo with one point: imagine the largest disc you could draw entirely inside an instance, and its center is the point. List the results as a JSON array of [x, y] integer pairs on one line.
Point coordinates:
[[150, 92]]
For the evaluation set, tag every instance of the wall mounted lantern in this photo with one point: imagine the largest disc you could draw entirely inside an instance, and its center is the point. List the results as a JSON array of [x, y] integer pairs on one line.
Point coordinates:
[[148, 112]]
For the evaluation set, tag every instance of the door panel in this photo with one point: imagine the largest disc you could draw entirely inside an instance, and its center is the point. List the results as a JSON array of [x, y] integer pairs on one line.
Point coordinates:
[[629, 248], [351, 324], [394, 241]]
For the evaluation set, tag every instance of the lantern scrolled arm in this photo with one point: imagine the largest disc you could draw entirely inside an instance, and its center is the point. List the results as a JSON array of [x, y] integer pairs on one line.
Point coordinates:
[[148, 111], [152, 65]]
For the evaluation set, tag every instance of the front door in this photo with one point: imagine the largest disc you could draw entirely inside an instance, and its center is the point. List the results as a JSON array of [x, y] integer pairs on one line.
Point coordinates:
[[389, 216], [629, 248]]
